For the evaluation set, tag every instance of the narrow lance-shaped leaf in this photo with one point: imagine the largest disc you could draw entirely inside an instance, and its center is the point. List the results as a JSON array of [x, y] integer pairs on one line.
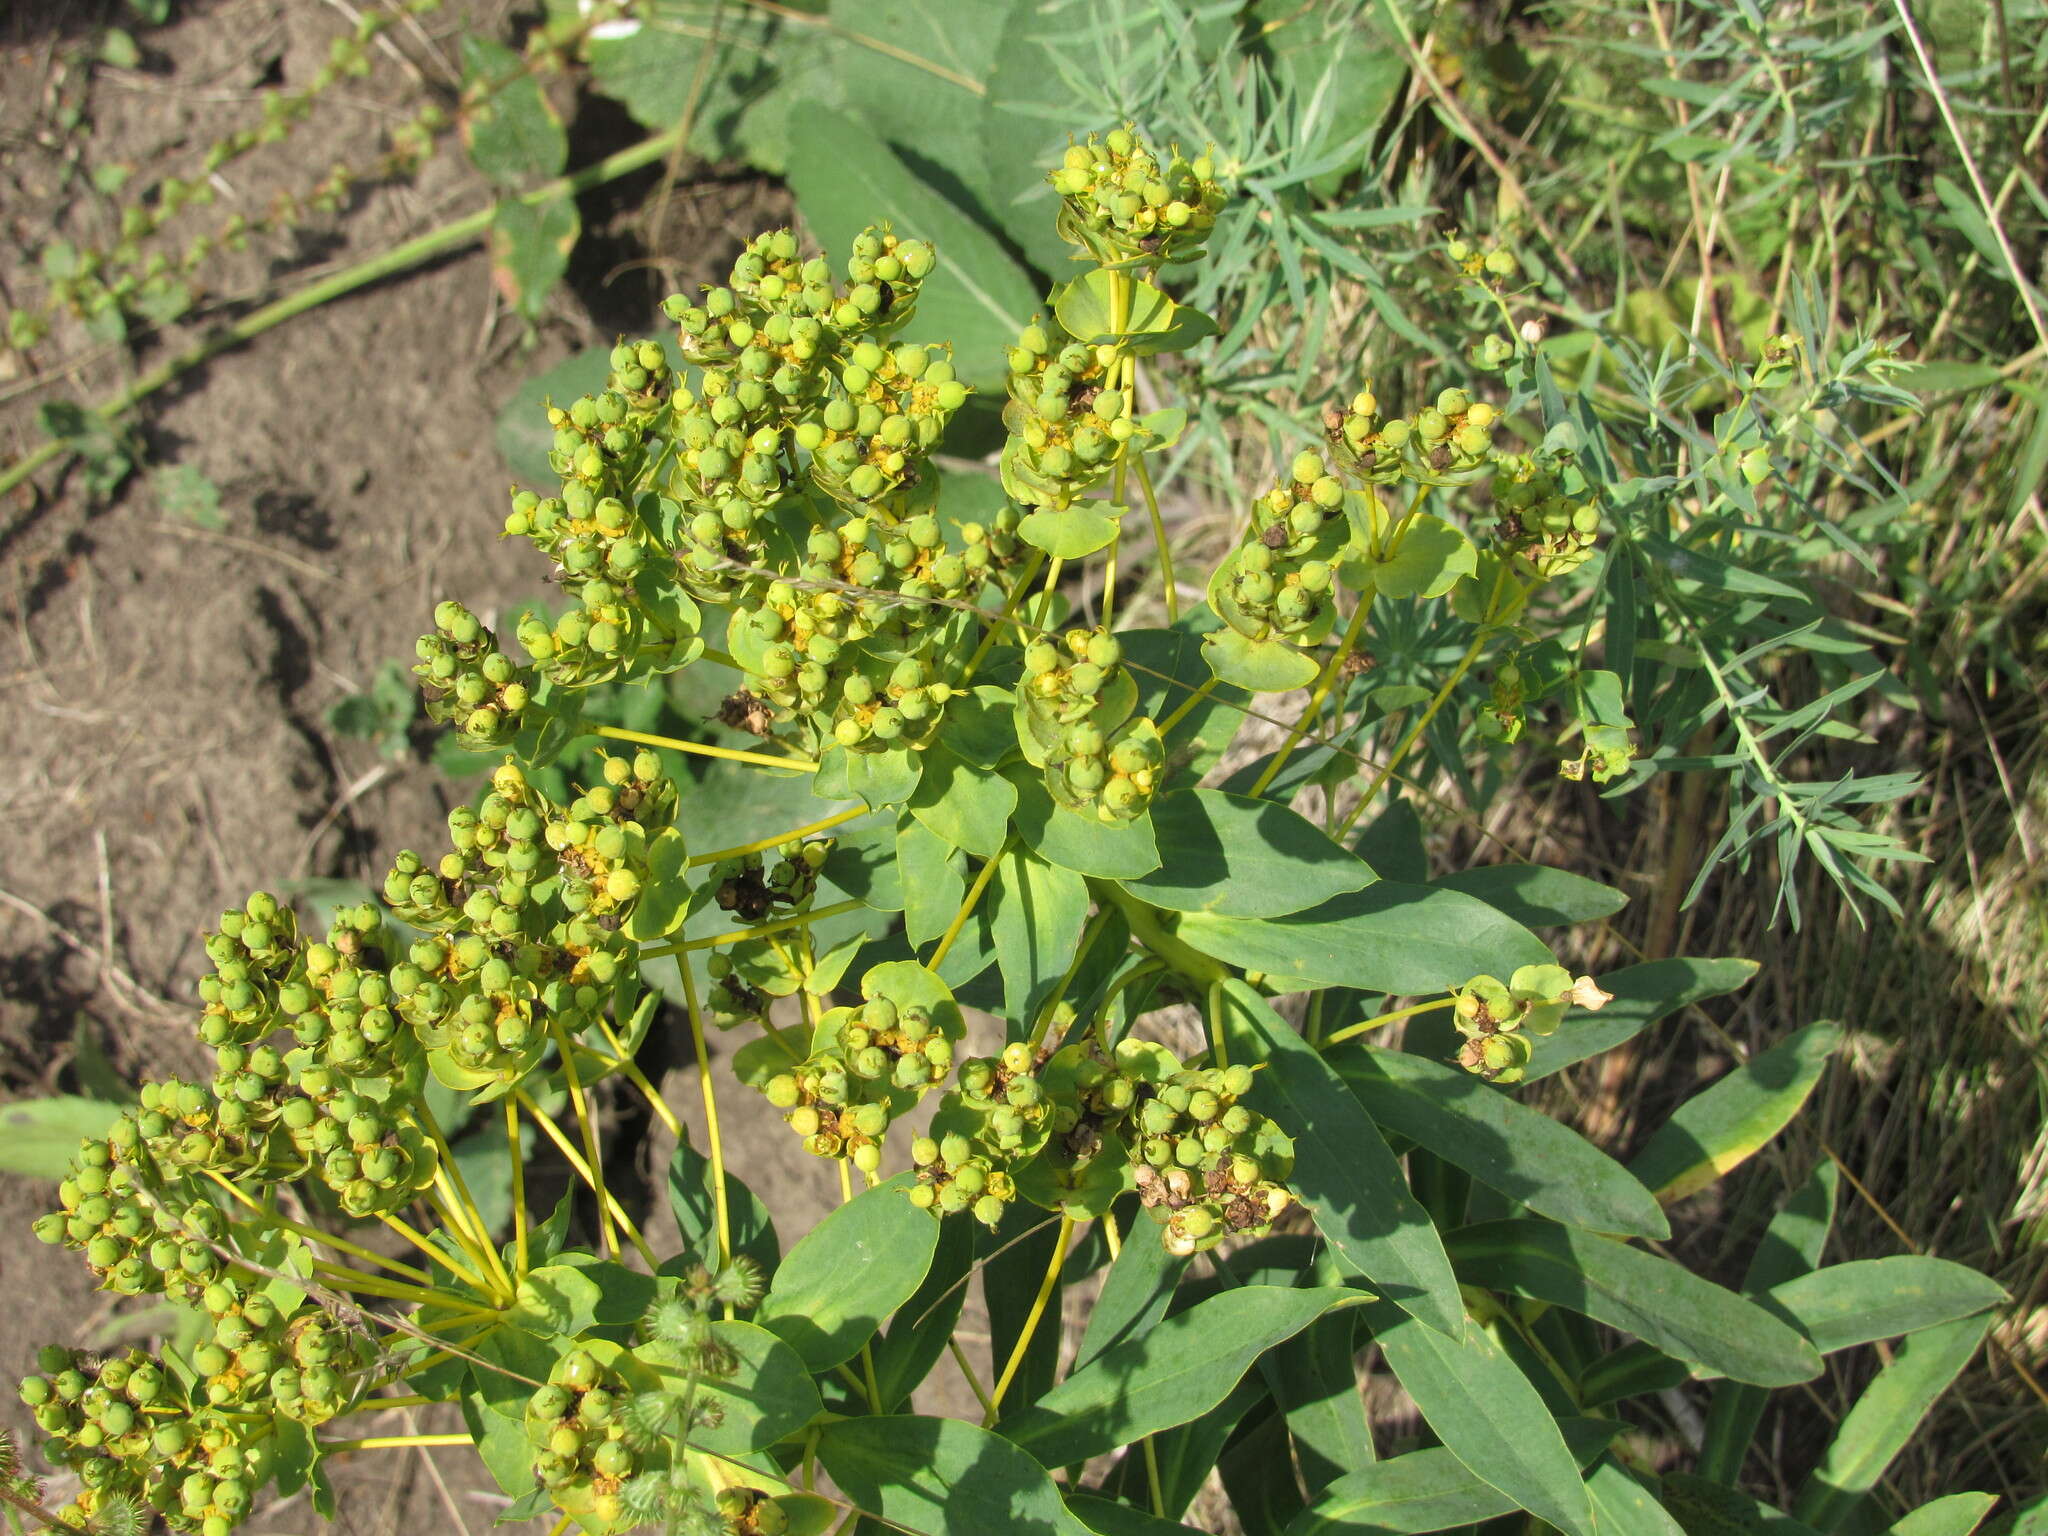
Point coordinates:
[[1177, 1371], [1883, 1419], [1501, 1142], [1722, 1127], [1488, 1414], [1854, 1303], [1343, 1171]]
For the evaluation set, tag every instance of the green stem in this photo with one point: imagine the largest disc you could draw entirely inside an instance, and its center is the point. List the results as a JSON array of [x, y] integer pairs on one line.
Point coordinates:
[[1165, 553], [1009, 613], [710, 1096], [799, 920], [1031, 1320], [398, 259], [1088, 937], [1315, 703], [1219, 1049], [1186, 705], [967, 907], [1415, 733], [1385, 1019]]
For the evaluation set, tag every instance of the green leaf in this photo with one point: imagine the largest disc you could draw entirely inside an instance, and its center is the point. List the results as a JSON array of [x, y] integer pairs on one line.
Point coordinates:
[[1501, 1142], [1642, 994], [691, 1197], [933, 881], [1086, 307], [39, 1137], [1080, 843], [1958, 1514], [1426, 1491], [967, 805], [1135, 1295], [878, 779], [1036, 919], [1645, 1296], [1876, 1429], [768, 1398], [1106, 1517], [187, 492], [1175, 1372], [665, 897], [942, 1477], [530, 246], [1720, 1128], [905, 1355], [1712, 1508], [1343, 1173], [512, 133], [522, 432], [848, 1273], [1487, 1413], [1257, 666], [845, 179], [1537, 897], [1388, 937], [1620, 1503], [1069, 533], [1869, 1299], [1240, 857], [1431, 559], [1169, 667]]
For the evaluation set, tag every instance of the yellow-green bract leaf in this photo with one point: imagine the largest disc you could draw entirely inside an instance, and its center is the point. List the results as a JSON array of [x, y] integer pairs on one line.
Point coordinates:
[[1080, 843], [942, 1477], [1241, 857], [1388, 937], [1087, 309], [876, 778], [1867, 1299], [1487, 1413], [1176, 1371], [1343, 1172], [1956, 1515], [1430, 559], [966, 805], [665, 895], [848, 1273], [1259, 666], [1426, 1491], [1722, 1127], [1069, 534], [39, 1137], [1500, 1141], [846, 178], [1647, 1297]]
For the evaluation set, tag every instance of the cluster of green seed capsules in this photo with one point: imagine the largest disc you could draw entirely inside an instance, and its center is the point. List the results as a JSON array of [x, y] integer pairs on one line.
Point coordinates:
[[1208, 1167], [1548, 520], [866, 443], [126, 1206], [467, 682], [578, 1427], [1074, 720], [254, 952], [869, 1065], [769, 279], [997, 1117], [1067, 427], [856, 666], [1122, 205], [1500, 1020], [1279, 581], [126, 1427]]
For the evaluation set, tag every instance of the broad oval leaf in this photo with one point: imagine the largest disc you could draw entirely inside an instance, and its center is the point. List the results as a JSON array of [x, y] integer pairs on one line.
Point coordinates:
[[968, 806], [1257, 666], [1647, 1297], [769, 1396], [1430, 560], [1077, 842], [1240, 857], [1501, 1142], [1070, 533], [942, 1477], [1037, 911], [1487, 1414], [1722, 1127], [1388, 937], [1173, 1373], [1868, 1299], [1343, 1172], [848, 1273]]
